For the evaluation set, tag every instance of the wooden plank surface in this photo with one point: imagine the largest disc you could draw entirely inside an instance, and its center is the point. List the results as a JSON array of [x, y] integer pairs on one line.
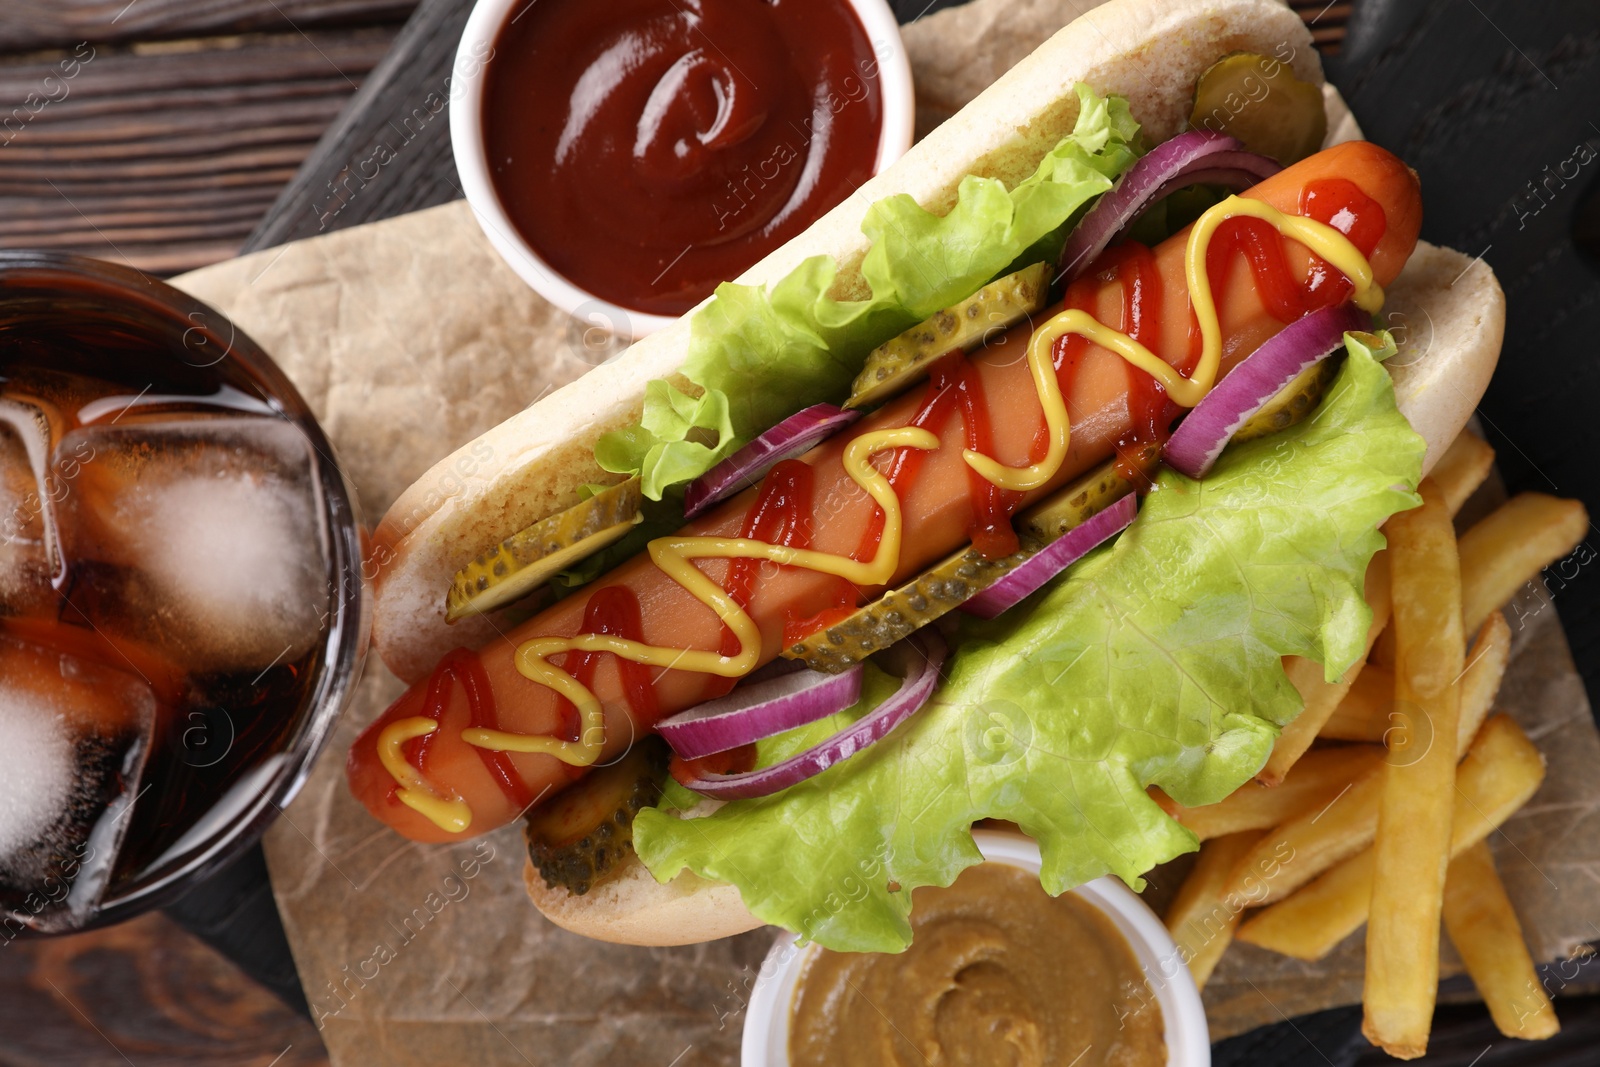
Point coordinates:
[[165, 154], [142, 993], [395, 110], [32, 25]]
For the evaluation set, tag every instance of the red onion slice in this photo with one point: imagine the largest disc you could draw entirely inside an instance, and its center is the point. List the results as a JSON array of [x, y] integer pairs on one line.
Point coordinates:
[[1054, 558], [926, 654], [794, 436], [760, 709], [1207, 429], [1192, 158]]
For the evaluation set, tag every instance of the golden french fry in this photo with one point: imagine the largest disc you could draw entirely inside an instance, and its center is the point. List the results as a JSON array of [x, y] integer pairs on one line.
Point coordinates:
[[1462, 468], [1311, 923], [1501, 771], [1363, 714], [1319, 695], [1480, 682], [1319, 777], [1484, 929], [1289, 856], [1504, 552], [1367, 711], [1201, 918], [1508, 548], [1316, 839], [1412, 848], [1382, 654]]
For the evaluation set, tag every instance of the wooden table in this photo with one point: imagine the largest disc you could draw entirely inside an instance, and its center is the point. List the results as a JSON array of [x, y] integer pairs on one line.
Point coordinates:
[[173, 133]]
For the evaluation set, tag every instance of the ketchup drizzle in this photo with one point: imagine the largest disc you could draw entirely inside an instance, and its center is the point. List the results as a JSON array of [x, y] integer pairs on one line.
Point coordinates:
[[906, 463], [612, 610], [782, 515], [1340, 203], [953, 383], [1150, 412], [464, 667]]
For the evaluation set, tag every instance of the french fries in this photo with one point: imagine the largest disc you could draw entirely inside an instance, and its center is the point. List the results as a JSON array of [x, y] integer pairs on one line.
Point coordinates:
[[1368, 714], [1289, 856], [1320, 696], [1503, 552], [1480, 681], [1317, 838], [1363, 714], [1460, 471], [1397, 844], [1412, 848], [1488, 937], [1201, 917], [1501, 771], [1463, 467], [1313, 783], [1510, 547]]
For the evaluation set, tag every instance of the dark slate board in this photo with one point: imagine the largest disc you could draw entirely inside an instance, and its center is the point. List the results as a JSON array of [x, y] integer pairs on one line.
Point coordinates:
[[1495, 126], [1477, 112]]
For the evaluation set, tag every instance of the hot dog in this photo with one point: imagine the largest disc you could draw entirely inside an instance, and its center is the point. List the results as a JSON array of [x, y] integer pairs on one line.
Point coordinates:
[[938, 509], [685, 623]]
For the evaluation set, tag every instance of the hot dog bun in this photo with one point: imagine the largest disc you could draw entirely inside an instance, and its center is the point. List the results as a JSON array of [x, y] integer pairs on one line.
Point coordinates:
[[532, 465]]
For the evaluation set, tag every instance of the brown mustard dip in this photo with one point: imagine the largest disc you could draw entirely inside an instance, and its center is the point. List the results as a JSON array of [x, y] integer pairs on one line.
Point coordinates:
[[998, 972]]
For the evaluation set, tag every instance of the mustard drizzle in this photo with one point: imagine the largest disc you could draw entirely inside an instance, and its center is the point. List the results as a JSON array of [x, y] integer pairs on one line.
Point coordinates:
[[1321, 238], [675, 555], [450, 814]]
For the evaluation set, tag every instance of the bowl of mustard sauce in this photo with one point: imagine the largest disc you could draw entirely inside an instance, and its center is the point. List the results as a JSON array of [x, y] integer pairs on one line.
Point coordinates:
[[998, 972]]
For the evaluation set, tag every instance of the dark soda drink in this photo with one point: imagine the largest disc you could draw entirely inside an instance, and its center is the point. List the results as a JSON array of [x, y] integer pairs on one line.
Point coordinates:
[[177, 593]]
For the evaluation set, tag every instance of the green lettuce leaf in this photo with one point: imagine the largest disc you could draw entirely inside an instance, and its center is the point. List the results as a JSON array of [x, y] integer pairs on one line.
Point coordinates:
[[1153, 661], [677, 439], [760, 355]]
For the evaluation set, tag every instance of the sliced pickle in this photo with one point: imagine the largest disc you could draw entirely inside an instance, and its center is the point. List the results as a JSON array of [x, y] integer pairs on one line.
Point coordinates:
[[1072, 505], [1259, 100], [950, 583], [1293, 403], [900, 612], [526, 560], [902, 361], [582, 836]]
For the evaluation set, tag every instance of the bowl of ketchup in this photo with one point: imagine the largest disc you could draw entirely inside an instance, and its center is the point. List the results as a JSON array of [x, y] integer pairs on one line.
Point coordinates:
[[626, 157]]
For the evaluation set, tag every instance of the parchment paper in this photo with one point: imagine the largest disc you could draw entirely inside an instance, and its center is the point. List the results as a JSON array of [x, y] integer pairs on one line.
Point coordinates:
[[409, 337]]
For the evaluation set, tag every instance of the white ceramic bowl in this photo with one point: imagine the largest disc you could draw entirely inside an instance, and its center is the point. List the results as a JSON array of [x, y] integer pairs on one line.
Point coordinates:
[[766, 1024], [466, 142]]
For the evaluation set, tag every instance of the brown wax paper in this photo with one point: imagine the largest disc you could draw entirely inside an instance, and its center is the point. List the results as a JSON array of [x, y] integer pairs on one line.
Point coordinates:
[[408, 338]]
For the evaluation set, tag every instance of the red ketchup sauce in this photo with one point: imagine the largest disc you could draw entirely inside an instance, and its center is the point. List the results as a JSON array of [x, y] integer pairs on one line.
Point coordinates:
[[782, 515], [462, 667], [649, 149], [612, 610], [1338, 202], [955, 385]]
